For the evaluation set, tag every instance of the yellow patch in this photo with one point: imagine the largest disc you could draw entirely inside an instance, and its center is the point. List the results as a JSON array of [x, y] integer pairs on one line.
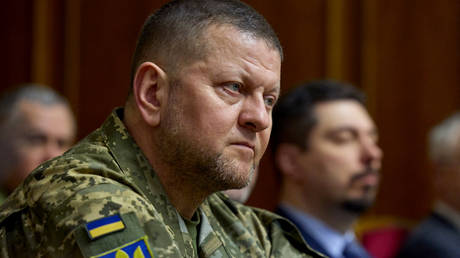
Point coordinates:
[[104, 226], [103, 230]]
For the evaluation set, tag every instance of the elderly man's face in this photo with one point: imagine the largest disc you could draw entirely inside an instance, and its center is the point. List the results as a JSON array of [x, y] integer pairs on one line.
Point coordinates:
[[218, 118], [37, 133], [342, 160]]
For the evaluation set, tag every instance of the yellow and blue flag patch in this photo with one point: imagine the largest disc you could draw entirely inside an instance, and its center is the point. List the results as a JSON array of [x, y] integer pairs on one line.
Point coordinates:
[[136, 249], [104, 226]]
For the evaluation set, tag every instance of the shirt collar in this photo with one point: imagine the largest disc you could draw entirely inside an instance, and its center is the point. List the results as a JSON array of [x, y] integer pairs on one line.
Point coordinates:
[[331, 240], [448, 212]]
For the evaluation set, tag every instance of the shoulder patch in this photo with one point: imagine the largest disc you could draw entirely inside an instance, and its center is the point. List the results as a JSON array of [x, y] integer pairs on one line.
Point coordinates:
[[104, 226], [136, 249]]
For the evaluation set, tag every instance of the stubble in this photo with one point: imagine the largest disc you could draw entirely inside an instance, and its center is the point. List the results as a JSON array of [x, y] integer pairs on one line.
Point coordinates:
[[194, 162]]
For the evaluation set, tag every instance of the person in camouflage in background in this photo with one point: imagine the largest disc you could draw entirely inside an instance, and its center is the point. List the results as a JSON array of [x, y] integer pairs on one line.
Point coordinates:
[[205, 77]]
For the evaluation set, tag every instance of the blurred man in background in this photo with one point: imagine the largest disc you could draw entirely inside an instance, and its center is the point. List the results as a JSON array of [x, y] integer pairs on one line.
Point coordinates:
[[439, 234], [36, 124], [325, 146]]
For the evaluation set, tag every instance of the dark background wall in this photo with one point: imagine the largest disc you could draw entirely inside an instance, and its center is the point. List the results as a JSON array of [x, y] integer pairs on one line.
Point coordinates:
[[404, 54]]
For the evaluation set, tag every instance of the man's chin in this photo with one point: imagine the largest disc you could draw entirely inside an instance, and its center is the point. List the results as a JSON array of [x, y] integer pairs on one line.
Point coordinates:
[[357, 206], [239, 179]]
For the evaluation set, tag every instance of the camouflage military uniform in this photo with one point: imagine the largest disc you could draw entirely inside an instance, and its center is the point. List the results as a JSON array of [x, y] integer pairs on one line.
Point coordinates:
[[65, 208]]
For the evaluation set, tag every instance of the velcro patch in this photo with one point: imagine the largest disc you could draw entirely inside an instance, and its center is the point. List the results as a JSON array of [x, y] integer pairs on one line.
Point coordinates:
[[104, 226], [135, 249]]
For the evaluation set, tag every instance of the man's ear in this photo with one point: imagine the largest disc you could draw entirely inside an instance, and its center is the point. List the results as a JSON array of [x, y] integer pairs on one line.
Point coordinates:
[[286, 158], [149, 89]]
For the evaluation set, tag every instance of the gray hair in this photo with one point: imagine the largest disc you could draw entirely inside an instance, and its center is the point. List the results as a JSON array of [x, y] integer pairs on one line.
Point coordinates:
[[33, 92], [444, 140]]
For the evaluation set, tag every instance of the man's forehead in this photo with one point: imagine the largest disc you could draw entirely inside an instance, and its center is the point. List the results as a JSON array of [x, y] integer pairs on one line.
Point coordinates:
[[36, 107], [34, 113], [233, 54], [217, 36], [343, 114]]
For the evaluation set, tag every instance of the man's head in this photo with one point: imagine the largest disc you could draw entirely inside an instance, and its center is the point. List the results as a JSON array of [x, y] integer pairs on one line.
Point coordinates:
[[36, 124], [444, 152], [206, 76], [325, 146]]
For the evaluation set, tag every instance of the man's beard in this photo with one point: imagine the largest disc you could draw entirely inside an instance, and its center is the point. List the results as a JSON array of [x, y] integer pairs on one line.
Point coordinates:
[[192, 162], [360, 205], [357, 206]]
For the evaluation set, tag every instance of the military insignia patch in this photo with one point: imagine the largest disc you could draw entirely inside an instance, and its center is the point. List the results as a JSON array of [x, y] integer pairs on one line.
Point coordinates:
[[136, 249], [104, 226]]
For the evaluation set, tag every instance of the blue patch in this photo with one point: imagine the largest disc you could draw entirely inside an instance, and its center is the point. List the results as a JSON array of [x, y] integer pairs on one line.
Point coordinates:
[[136, 249]]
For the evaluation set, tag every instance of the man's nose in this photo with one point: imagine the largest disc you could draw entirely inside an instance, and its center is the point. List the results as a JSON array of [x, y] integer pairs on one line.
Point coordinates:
[[254, 114], [371, 154]]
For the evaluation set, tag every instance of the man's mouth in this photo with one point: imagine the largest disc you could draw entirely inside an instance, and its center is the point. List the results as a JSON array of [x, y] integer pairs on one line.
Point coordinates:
[[369, 177], [245, 145]]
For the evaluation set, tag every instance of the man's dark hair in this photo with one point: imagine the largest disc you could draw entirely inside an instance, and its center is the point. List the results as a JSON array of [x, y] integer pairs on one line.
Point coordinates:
[[173, 34], [294, 116]]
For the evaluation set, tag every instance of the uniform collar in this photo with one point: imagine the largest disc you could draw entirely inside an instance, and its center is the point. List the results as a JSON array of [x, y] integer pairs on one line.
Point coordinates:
[[137, 169]]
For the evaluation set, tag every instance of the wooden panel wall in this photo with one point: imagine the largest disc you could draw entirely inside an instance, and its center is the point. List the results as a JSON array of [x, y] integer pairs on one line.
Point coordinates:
[[404, 54], [108, 33], [417, 84], [16, 42]]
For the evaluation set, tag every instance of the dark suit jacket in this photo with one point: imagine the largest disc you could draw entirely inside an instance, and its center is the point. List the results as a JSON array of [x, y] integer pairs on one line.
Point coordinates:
[[434, 237], [311, 241]]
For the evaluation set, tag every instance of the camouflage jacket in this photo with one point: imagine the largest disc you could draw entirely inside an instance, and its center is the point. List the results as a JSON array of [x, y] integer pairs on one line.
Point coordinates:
[[103, 199]]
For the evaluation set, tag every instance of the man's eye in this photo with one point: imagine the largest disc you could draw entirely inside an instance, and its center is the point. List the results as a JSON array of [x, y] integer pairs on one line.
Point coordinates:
[[236, 87], [63, 143], [35, 139], [270, 101], [343, 138]]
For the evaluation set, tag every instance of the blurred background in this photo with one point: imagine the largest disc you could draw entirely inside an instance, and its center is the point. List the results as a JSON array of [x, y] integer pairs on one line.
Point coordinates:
[[404, 54]]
